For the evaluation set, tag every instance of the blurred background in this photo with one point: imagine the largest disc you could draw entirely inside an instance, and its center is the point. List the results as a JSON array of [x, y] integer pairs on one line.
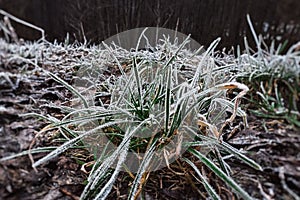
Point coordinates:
[[205, 20]]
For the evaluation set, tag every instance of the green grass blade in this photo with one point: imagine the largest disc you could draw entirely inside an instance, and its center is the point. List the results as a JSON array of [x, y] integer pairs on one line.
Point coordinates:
[[70, 88], [32, 151], [211, 47], [228, 148], [107, 188], [138, 83], [142, 169], [72, 142], [210, 190], [99, 173], [168, 99], [228, 180]]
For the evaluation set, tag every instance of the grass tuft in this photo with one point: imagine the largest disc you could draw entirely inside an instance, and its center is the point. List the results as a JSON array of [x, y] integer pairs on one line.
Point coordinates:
[[138, 111]]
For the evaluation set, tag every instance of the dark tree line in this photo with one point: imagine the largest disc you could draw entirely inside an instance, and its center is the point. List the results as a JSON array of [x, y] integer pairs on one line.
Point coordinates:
[[204, 19]]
